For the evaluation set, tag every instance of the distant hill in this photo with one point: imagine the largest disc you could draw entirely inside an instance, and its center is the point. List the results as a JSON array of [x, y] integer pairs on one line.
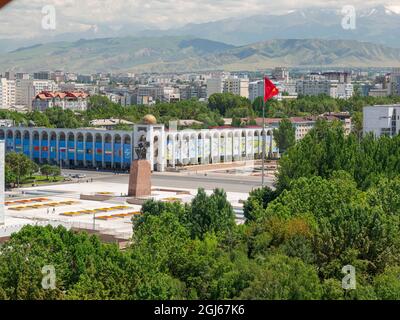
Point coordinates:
[[168, 54], [377, 25]]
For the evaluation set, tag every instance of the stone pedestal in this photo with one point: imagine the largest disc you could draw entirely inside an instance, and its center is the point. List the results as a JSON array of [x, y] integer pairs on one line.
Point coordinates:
[[140, 179]]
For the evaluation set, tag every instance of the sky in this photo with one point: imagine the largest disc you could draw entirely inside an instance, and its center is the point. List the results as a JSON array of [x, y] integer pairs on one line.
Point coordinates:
[[24, 18]]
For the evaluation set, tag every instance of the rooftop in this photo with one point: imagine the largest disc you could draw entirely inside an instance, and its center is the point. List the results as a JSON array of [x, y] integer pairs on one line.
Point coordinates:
[[47, 95]]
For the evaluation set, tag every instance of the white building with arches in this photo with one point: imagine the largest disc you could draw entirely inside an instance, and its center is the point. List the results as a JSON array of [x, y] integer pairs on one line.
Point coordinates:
[[115, 149]]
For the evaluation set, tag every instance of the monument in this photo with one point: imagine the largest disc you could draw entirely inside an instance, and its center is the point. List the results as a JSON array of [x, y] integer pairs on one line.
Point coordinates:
[[140, 175], [2, 181]]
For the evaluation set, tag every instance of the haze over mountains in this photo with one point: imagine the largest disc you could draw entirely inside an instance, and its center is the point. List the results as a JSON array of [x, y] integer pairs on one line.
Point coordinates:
[[311, 37], [377, 25], [179, 54]]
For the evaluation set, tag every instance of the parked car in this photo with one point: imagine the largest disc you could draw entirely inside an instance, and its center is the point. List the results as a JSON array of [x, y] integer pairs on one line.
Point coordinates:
[[79, 176]]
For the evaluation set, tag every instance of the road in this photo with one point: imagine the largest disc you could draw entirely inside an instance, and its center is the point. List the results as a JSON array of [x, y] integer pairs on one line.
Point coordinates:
[[230, 183]]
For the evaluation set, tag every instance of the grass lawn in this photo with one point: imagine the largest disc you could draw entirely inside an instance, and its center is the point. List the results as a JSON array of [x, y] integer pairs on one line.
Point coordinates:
[[40, 180]]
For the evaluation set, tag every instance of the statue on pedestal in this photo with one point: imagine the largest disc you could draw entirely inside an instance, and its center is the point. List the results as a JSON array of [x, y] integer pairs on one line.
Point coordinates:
[[140, 175]]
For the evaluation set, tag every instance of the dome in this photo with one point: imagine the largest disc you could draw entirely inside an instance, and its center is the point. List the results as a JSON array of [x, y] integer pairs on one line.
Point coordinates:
[[149, 119]]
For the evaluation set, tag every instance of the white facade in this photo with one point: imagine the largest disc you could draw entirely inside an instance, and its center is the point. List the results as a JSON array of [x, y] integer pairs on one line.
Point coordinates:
[[256, 89], [7, 93], [214, 85], [237, 86], [317, 87], [394, 87], [2, 181], [345, 90], [382, 120], [116, 148]]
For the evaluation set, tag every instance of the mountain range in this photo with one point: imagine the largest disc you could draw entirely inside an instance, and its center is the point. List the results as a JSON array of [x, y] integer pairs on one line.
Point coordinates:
[[379, 25], [178, 54]]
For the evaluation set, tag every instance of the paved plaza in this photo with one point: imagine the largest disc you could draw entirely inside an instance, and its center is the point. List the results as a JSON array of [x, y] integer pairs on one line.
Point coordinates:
[[62, 205]]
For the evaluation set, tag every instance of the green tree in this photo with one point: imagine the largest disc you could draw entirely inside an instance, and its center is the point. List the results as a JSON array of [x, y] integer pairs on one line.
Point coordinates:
[[257, 201], [224, 102], [285, 135], [49, 170], [210, 213], [284, 278], [19, 166]]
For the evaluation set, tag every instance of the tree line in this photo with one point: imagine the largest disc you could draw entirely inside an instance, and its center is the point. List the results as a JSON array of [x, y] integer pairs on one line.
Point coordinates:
[[211, 113]]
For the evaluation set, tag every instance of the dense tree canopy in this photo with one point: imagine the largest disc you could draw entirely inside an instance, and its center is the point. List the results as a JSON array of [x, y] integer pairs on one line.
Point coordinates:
[[337, 204], [326, 149]]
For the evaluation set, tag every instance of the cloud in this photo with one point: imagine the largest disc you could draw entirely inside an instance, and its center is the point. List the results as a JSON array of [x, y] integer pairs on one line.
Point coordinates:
[[22, 18]]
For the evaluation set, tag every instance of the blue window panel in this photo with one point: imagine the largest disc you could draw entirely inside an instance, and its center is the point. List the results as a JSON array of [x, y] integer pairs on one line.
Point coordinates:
[[80, 150], [71, 150], [26, 147], [89, 151], [36, 149], [117, 152], [18, 146], [62, 150], [127, 153], [98, 147], [107, 152], [53, 150], [45, 154], [9, 144]]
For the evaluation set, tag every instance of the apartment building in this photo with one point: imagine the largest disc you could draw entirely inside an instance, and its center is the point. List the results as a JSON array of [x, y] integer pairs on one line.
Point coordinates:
[[7, 93], [316, 87], [394, 84], [256, 89], [214, 85], [235, 85], [27, 90], [382, 120], [332, 88], [75, 101]]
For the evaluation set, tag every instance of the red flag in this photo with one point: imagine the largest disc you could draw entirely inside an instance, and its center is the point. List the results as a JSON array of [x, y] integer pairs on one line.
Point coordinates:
[[269, 89]]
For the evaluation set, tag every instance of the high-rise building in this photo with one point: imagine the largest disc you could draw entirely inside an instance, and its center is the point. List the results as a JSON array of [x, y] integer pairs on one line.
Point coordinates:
[[214, 85], [256, 89], [26, 90], [382, 120], [41, 75], [237, 86], [394, 86], [341, 77], [7, 93], [317, 87]]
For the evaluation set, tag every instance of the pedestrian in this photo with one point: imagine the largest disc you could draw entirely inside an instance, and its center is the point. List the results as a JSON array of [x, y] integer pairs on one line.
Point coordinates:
[[54, 210], [48, 210]]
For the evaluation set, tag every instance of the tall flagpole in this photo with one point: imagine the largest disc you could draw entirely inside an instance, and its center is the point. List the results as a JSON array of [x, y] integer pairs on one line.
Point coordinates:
[[263, 142]]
